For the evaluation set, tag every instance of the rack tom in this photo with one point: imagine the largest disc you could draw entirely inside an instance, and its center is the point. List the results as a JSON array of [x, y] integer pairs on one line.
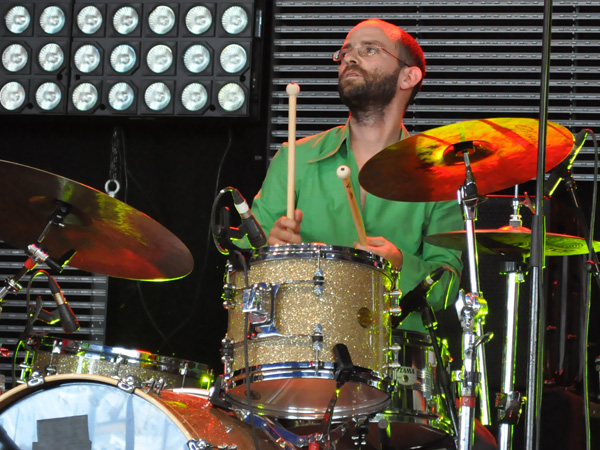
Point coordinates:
[[299, 302]]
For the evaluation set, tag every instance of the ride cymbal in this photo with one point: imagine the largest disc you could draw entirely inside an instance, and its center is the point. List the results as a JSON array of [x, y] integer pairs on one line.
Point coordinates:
[[511, 240], [109, 236], [427, 167]]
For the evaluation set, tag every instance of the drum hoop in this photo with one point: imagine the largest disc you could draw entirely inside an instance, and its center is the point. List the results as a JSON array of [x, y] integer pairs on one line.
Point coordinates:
[[162, 363], [14, 395], [327, 252], [283, 371]]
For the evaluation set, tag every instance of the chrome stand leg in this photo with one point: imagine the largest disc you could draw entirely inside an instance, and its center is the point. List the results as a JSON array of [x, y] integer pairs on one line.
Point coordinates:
[[508, 401]]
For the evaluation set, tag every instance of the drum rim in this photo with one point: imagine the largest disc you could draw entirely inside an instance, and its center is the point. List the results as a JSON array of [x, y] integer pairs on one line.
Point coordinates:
[[76, 348], [328, 252]]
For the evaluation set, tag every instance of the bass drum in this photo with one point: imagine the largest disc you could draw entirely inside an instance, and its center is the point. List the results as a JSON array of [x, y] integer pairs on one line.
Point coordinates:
[[92, 412]]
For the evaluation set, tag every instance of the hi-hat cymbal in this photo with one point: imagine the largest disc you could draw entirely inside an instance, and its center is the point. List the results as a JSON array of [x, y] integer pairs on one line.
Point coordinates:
[[109, 236], [511, 240], [427, 167]]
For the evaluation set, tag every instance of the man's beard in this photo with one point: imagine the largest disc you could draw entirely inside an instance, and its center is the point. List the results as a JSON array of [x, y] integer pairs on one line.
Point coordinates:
[[370, 97]]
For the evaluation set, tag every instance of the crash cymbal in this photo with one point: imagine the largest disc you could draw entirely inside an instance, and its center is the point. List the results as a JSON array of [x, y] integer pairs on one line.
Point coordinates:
[[511, 240], [426, 167], [109, 236]]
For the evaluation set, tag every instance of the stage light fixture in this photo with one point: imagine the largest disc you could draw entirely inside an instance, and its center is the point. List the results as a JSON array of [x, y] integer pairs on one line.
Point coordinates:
[[89, 19], [87, 58], [51, 57], [12, 95], [14, 57], [233, 58], [121, 96], [126, 20], [160, 58], [196, 58], [198, 19], [17, 19], [147, 57], [48, 96], [234, 20], [161, 19], [52, 19], [157, 96], [85, 96], [194, 97], [123, 58], [231, 97]]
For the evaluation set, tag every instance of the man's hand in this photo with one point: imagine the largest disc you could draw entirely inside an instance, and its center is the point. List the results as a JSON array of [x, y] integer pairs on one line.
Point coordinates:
[[286, 231], [384, 248]]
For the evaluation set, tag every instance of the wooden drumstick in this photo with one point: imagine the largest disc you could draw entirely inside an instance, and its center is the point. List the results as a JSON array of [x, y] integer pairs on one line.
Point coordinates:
[[343, 173], [292, 90]]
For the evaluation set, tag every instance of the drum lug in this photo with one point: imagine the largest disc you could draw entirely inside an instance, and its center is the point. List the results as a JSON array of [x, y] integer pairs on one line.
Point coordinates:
[[393, 299], [229, 292], [317, 343], [153, 384], [227, 354], [35, 381], [319, 280], [124, 386]]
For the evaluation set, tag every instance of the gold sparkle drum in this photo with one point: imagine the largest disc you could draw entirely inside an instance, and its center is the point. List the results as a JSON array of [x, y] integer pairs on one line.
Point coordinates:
[[415, 414], [92, 412], [140, 368], [302, 300]]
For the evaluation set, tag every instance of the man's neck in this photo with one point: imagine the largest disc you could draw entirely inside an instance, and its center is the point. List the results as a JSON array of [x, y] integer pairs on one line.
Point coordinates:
[[368, 138]]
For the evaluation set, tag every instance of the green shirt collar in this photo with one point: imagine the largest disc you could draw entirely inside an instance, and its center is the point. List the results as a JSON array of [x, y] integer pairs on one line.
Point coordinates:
[[340, 135]]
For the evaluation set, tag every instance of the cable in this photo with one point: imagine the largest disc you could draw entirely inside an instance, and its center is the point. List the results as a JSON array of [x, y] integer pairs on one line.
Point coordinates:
[[209, 237], [242, 260]]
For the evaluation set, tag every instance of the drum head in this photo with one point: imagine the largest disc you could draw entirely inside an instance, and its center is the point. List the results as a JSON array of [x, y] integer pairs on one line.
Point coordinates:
[[86, 412]]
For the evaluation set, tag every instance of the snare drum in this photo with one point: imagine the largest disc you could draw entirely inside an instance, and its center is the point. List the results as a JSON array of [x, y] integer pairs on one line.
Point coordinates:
[[416, 411], [140, 368], [92, 412], [302, 300]]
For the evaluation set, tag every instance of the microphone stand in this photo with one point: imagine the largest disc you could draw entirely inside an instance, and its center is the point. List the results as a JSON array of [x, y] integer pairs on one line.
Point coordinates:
[[471, 309], [37, 255], [593, 270], [537, 317]]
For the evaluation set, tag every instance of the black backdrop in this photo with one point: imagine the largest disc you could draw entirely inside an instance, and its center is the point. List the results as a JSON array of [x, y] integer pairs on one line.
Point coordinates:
[[174, 167]]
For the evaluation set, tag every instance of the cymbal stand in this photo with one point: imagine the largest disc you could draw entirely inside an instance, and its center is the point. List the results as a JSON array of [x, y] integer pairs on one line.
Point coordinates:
[[509, 402], [471, 309]]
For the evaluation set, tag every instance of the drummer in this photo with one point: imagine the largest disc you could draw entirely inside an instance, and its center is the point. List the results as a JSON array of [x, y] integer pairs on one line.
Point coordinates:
[[381, 68]]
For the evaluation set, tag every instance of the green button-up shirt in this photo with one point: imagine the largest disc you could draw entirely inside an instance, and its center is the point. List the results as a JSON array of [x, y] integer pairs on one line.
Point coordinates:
[[327, 217]]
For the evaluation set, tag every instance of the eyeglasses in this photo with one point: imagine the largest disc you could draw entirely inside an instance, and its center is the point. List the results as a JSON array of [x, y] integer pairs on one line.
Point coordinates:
[[363, 51]]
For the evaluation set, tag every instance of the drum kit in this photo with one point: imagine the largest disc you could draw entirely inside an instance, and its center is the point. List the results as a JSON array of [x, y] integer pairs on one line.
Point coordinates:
[[312, 358]]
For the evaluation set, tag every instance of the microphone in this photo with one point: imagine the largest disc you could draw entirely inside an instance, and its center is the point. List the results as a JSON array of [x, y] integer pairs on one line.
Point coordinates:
[[561, 171], [68, 320], [417, 298], [250, 225]]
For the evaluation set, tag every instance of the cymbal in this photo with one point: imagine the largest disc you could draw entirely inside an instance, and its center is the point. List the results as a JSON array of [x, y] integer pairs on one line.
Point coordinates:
[[109, 236], [426, 167], [511, 240]]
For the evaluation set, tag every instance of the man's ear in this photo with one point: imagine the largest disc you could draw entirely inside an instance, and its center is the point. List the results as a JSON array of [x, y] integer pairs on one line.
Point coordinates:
[[410, 77]]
